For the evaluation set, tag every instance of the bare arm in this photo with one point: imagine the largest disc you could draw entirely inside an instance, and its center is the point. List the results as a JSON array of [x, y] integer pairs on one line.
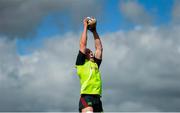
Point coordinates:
[[83, 40], [98, 45]]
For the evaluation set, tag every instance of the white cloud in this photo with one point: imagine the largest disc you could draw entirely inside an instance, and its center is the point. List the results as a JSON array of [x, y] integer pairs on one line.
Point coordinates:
[[140, 72], [142, 67], [135, 12], [42, 81], [20, 18], [175, 12], [136, 107]]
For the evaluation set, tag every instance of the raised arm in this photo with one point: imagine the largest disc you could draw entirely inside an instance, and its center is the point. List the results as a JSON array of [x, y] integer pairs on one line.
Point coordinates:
[[98, 45], [83, 40]]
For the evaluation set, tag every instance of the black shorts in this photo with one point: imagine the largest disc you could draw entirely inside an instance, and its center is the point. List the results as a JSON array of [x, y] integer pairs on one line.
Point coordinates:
[[93, 101]]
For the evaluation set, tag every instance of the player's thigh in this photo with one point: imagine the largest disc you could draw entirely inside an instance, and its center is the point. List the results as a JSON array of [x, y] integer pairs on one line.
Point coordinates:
[[87, 110]]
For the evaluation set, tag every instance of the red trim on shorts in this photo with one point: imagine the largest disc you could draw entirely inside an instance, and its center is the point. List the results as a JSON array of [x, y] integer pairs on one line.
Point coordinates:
[[84, 102]]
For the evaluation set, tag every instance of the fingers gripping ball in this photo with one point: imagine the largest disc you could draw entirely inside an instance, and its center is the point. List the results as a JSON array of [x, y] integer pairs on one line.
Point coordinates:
[[91, 23]]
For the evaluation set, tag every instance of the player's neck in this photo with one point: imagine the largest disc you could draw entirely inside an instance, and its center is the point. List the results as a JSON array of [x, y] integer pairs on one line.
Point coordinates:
[[91, 59]]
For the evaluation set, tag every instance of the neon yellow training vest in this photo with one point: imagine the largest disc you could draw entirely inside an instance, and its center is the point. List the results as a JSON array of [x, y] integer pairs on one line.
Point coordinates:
[[90, 78]]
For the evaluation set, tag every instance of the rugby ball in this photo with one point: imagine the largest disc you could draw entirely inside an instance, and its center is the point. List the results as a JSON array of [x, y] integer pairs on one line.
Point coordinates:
[[91, 21]]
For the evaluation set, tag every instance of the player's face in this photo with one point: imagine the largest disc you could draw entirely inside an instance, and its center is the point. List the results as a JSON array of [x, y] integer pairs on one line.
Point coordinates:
[[89, 54]]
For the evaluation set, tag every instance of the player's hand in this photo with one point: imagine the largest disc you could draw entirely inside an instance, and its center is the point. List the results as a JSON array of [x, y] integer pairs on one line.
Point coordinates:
[[85, 22], [92, 28]]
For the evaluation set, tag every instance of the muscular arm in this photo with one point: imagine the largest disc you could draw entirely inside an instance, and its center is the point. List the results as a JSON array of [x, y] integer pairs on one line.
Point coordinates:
[[83, 40], [98, 45]]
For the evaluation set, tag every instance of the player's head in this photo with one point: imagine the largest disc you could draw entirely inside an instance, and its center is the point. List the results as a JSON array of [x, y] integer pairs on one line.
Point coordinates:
[[89, 54]]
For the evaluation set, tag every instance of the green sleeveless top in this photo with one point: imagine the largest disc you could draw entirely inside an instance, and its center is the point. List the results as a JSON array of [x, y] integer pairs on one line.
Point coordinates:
[[90, 78]]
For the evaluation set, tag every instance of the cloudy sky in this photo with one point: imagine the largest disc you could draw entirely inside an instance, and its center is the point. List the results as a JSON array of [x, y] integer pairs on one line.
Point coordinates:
[[39, 42]]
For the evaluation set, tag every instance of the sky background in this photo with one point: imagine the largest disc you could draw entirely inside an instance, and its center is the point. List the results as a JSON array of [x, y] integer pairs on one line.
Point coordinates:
[[39, 43]]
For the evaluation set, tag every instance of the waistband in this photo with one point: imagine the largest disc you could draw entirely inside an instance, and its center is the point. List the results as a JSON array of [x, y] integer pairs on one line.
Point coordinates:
[[93, 95]]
